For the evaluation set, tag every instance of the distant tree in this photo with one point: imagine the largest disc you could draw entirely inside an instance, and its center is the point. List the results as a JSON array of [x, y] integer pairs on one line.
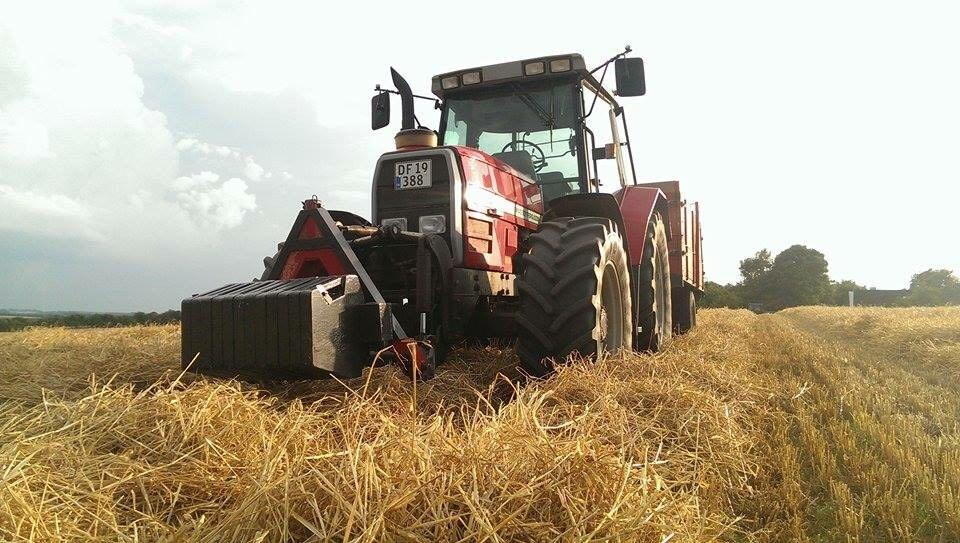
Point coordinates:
[[934, 287], [840, 292], [15, 323], [798, 277], [91, 320], [717, 295], [756, 266], [753, 273]]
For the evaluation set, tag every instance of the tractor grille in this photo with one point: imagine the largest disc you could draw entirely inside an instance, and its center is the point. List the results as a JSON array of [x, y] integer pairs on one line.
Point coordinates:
[[414, 203]]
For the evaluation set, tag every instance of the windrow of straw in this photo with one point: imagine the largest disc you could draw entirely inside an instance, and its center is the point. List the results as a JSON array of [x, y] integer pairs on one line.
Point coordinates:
[[631, 448], [871, 446], [813, 424], [923, 339]]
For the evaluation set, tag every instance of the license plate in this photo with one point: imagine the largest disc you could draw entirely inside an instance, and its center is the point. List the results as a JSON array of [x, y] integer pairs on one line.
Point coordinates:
[[412, 175]]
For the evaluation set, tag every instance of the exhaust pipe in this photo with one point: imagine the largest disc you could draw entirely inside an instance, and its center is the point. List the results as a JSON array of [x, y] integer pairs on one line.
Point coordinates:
[[406, 99], [409, 135]]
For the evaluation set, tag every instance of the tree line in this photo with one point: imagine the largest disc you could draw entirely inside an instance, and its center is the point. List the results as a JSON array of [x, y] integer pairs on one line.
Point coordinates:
[[798, 276], [90, 320]]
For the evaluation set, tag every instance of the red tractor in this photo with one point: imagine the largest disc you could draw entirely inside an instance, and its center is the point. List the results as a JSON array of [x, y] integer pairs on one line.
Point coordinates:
[[494, 226]]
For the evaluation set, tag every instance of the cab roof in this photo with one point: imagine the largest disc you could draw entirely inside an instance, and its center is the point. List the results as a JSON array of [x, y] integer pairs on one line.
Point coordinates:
[[497, 74]]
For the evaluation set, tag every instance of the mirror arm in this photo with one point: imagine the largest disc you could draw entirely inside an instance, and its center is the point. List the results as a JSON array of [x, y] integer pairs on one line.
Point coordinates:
[[436, 101], [626, 50], [597, 93]]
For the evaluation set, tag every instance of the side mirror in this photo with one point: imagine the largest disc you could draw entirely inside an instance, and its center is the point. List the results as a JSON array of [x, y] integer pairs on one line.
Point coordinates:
[[630, 80], [380, 110]]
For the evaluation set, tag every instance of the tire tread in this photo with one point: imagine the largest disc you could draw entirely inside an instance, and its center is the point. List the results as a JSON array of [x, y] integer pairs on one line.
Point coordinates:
[[558, 290]]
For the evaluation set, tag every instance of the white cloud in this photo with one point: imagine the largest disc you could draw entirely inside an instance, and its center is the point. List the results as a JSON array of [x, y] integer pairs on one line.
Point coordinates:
[[191, 182], [206, 149], [185, 144], [49, 214], [120, 152], [252, 170], [13, 73], [23, 138], [82, 156], [53, 205], [221, 157], [218, 207]]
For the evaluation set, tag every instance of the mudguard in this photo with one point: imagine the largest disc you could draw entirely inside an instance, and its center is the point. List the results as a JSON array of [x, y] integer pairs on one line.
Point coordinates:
[[630, 208]]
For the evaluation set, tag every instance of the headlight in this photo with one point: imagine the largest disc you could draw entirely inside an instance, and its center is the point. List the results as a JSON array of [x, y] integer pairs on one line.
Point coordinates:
[[533, 68], [450, 82], [402, 223], [560, 65], [470, 78], [433, 224]]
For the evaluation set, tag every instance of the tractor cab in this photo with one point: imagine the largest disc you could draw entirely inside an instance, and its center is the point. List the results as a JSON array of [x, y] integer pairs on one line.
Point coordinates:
[[536, 116]]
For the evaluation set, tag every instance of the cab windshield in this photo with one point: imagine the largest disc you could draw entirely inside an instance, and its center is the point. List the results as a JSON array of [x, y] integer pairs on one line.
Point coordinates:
[[532, 128]]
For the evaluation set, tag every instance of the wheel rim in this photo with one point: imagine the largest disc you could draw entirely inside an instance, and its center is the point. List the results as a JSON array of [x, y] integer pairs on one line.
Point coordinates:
[[693, 310], [661, 297], [611, 310]]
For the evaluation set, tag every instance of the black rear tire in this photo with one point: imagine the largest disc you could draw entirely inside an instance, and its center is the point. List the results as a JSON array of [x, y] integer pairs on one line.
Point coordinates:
[[655, 313], [574, 293], [684, 310]]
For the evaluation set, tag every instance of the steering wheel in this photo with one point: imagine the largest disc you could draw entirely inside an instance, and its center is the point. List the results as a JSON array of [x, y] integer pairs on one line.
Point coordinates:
[[538, 156]]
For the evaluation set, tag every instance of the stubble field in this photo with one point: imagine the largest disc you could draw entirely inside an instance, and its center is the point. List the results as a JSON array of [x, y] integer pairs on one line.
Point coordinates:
[[812, 424]]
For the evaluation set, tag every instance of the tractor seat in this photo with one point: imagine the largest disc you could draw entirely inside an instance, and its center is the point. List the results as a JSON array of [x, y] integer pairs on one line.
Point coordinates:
[[520, 161], [553, 185]]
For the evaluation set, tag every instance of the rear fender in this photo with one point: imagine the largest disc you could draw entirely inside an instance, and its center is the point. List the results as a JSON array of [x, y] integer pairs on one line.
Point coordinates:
[[593, 204], [637, 206], [630, 208]]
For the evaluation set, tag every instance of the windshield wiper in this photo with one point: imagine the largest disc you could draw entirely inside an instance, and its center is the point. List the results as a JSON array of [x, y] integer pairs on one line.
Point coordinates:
[[546, 118]]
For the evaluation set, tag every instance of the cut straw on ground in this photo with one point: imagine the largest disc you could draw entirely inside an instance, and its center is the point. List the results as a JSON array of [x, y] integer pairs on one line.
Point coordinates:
[[812, 424]]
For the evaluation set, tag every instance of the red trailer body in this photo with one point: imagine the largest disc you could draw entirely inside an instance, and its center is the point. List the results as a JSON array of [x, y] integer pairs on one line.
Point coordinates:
[[684, 237]]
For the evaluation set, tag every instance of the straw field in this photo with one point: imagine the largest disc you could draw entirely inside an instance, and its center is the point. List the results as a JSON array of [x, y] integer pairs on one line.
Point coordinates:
[[813, 424]]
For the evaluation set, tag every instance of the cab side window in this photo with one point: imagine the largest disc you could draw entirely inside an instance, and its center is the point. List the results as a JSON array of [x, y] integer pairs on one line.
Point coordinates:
[[456, 131]]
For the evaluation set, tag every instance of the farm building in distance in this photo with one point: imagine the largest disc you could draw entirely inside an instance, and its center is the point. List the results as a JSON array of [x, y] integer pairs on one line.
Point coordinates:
[[878, 297]]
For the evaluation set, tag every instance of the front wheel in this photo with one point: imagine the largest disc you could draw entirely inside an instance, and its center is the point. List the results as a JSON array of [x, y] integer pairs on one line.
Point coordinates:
[[574, 293]]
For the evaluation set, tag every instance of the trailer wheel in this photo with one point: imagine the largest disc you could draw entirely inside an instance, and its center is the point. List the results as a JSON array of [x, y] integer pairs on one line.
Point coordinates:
[[574, 293], [684, 310], [654, 315]]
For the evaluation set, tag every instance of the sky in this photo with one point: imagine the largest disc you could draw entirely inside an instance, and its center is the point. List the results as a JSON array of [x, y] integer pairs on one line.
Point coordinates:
[[152, 150]]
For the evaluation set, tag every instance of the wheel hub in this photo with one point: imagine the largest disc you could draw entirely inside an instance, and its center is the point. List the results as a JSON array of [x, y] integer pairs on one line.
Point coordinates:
[[611, 310], [604, 331]]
